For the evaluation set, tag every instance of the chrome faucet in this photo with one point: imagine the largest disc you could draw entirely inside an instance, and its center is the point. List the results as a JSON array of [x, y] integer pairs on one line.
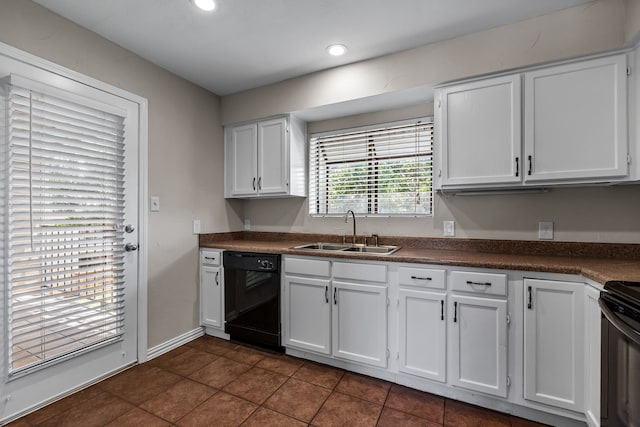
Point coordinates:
[[346, 217]]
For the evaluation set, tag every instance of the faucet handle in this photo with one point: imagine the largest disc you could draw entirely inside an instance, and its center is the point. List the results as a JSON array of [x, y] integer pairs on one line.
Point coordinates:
[[376, 237]]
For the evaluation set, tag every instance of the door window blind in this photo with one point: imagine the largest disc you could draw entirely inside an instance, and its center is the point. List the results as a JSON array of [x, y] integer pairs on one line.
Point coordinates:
[[383, 170], [65, 218]]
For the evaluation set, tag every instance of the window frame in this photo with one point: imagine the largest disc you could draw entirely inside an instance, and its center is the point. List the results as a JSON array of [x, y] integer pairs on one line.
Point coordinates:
[[372, 165]]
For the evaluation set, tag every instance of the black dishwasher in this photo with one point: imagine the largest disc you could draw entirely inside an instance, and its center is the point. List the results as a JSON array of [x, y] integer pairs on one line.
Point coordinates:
[[252, 298]]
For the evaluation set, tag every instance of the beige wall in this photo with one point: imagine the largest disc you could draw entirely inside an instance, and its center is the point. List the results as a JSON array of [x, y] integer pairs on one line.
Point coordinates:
[[185, 154], [580, 30], [632, 22], [598, 214], [593, 214]]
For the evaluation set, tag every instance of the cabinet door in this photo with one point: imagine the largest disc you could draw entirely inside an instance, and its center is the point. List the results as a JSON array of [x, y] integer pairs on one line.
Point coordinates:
[[211, 296], [273, 157], [242, 159], [480, 132], [423, 334], [307, 314], [360, 323], [554, 343], [479, 344], [576, 121], [593, 323]]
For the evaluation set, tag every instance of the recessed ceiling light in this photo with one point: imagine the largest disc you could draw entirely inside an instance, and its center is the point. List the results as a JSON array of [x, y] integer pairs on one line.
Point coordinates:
[[337, 49], [206, 5]]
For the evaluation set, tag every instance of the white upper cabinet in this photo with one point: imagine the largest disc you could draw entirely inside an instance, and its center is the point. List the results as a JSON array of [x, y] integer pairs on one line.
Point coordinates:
[[265, 159], [241, 151], [480, 125], [273, 157], [576, 121], [574, 129]]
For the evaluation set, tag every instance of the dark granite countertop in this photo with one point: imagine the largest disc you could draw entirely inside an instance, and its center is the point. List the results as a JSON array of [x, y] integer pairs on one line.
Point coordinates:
[[600, 262]]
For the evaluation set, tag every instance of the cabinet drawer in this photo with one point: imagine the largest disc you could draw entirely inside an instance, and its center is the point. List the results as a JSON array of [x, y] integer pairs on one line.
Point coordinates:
[[307, 267], [210, 257], [481, 283], [362, 272], [422, 277]]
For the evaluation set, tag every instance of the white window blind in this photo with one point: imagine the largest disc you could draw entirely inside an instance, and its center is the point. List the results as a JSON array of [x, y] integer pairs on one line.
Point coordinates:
[[384, 170], [65, 217]]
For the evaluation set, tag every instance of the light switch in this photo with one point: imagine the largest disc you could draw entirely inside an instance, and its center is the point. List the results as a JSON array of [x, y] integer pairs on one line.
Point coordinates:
[[449, 229], [196, 226], [155, 203], [247, 224], [545, 230]]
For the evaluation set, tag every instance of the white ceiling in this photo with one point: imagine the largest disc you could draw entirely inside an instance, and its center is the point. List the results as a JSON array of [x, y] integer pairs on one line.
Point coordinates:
[[249, 43]]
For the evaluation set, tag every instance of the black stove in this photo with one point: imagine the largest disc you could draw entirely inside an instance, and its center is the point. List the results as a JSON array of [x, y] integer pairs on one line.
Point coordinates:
[[620, 367]]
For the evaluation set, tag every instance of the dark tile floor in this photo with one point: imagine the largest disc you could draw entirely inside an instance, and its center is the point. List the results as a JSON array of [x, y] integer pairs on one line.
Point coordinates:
[[212, 382]]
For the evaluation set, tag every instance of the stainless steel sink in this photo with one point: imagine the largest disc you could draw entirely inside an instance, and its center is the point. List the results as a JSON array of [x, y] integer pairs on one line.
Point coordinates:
[[374, 250], [384, 250], [323, 246]]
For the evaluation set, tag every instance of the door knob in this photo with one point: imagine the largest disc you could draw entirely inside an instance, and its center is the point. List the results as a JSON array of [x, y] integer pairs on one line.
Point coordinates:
[[129, 228], [130, 247]]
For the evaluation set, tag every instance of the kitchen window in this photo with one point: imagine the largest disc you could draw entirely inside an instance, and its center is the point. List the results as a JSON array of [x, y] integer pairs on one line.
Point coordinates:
[[382, 170]]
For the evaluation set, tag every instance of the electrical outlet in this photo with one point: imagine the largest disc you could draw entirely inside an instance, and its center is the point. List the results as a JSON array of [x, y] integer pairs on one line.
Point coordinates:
[[196, 226], [247, 224], [545, 230], [449, 229], [155, 203]]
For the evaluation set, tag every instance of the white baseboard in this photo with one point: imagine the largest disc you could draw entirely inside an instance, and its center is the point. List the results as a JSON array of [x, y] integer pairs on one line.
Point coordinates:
[[166, 346]]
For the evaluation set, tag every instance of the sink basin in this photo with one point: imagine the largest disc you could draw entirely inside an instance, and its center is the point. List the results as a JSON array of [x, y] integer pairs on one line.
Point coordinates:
[[379, 250], [324, 246], [385, 250]]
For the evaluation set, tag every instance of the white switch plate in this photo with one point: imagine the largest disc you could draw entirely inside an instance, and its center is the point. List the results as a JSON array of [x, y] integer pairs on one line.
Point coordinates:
[[545, 230], [247, 224], [155, 203], [449, 229], [196, 226]]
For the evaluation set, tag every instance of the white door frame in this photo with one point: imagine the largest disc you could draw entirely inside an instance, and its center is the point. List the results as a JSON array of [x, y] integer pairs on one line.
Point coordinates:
[[143, 151]]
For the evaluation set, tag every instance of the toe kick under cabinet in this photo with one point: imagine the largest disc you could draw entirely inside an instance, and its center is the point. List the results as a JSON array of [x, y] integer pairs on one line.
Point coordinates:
[[509, 340]]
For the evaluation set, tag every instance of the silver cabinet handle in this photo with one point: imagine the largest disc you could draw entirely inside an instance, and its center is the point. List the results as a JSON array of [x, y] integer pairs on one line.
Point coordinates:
[[260, 183], [217, 281], [335, 298], [420, 278], [254, 183], [326, 294]]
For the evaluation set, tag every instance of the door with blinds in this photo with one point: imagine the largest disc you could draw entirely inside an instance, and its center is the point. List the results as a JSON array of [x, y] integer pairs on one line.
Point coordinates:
[[70, 192]]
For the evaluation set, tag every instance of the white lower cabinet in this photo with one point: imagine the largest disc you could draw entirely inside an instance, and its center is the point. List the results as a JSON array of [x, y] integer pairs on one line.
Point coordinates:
[[423, 332], [360, 323], [451, 331], [592, 354], [479, 344], [211, 290], [554, 343], [307, 313], [344, 317]]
